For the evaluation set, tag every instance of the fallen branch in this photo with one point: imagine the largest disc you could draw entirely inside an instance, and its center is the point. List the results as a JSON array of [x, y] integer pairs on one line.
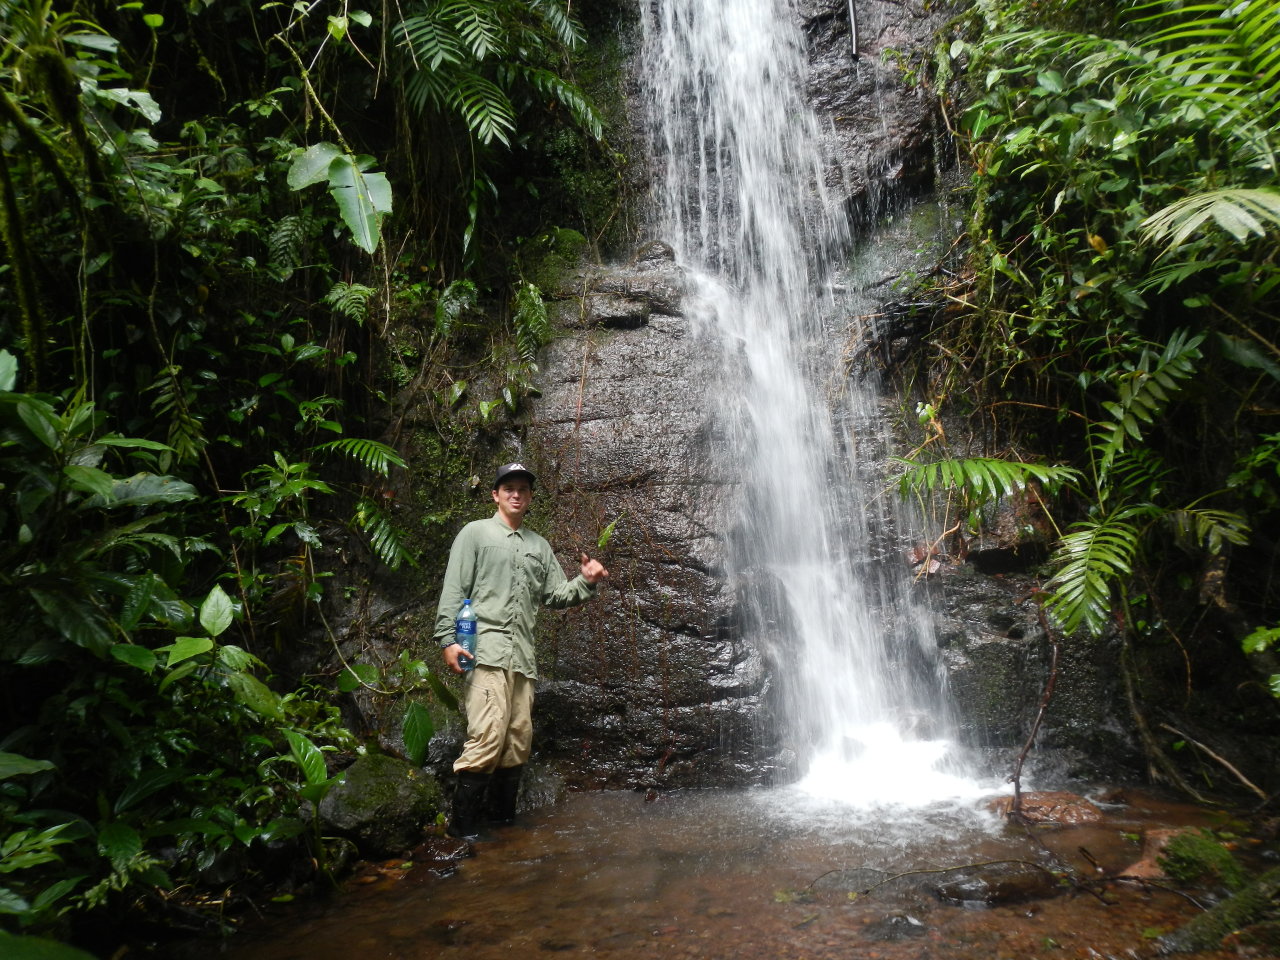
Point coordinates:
[[1222, 760]]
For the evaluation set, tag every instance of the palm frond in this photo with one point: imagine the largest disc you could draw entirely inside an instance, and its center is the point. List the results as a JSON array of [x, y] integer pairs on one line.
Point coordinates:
[[477, 25], [1225, 53], [484, 107], [1209, 529], [568, 95], [980, 480], [373, 455], [556, 17], [1138, 474], [1144, 392], [430, 41], [1243, 213], [1091, 560], [428, 88]]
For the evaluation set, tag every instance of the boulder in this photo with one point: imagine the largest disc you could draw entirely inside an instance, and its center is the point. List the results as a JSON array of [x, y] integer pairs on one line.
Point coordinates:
[[382, 803]]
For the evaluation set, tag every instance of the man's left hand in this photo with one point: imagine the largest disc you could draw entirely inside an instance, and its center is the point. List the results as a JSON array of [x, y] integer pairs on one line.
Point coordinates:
[[593, 571]]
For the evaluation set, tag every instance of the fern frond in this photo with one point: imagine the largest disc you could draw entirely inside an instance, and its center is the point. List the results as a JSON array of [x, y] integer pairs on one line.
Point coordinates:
[[174, 400], [457, 297], [287, 241], [533, 329], [1091, 560], [980, 480], [386, 541], [1144, 392], [1209, 529], [373, 455], [350, 299]]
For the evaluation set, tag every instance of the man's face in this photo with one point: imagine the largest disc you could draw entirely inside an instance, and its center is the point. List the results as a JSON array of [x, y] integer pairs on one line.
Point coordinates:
[[513, 497]]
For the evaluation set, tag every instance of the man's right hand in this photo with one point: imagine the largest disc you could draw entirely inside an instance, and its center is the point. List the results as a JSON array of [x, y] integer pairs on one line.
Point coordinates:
[[452, 654]]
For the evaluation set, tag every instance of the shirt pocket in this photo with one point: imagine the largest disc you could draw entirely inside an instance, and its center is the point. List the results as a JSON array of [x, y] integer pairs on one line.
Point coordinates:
[[534, 571]]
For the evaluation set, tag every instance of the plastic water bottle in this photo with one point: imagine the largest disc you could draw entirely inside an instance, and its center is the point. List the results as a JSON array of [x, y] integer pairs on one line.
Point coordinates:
[[465, 634]]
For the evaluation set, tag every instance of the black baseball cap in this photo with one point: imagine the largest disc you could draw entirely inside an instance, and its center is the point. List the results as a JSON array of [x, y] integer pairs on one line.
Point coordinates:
[[511, 469]]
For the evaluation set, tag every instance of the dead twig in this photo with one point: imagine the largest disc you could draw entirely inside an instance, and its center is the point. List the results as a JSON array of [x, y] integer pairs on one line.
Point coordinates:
[[1222, 760]]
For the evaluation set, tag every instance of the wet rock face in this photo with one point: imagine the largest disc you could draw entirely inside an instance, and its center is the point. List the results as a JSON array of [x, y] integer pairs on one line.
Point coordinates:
[[647, 685], [998, 659], [882, 123]]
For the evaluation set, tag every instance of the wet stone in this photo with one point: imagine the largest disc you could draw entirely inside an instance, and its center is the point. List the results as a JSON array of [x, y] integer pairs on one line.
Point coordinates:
[[896, 926], [1051, 806], [442, 850], [996, 884]]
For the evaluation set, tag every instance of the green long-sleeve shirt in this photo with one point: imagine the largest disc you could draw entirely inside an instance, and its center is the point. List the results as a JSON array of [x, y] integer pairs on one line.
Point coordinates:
[[507, 574]]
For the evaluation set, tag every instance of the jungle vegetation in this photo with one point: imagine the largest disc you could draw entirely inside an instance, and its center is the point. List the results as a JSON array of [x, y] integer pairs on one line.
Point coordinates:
[[1110, 342], [236, 236]]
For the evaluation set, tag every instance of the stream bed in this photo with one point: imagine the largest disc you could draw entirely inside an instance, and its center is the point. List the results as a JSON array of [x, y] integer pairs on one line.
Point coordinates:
[[770, 874]]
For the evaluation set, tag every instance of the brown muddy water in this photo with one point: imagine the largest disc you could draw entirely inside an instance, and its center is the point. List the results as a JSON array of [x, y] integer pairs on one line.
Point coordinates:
[[768, 874]]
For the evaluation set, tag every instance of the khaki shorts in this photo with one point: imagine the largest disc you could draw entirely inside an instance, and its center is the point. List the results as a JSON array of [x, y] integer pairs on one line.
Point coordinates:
[[499, 708]]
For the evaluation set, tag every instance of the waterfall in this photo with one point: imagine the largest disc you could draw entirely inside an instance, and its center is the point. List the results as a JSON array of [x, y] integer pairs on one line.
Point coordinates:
[[741, 195]]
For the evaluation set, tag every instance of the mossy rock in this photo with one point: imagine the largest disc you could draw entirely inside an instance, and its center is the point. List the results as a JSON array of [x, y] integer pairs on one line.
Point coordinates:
[[383, 804], [550, 259]]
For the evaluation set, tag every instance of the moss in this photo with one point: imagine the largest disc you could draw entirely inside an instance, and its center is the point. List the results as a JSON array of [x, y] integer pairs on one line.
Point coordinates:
[[1197, 856], [546, 260]]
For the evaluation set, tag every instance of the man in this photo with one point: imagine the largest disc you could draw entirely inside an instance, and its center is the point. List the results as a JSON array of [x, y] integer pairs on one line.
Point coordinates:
[[506, 571]]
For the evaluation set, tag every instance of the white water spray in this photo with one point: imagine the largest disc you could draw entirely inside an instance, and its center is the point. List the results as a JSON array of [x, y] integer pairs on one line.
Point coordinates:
[[743, 201]]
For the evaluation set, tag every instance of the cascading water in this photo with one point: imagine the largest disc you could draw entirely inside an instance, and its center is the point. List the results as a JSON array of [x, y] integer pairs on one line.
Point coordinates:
[[742, 199]]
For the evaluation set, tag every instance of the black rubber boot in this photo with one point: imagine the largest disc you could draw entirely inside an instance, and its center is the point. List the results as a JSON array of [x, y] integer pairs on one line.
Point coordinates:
[[504, 791], [468, 798]]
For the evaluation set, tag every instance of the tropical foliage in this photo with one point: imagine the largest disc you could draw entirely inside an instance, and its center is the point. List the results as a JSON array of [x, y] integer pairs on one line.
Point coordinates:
[[234, 240], [1120, 309]]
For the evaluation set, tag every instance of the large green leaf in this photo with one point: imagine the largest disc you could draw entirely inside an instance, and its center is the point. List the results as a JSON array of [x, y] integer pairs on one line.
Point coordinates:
[[119, 843], [363, 198], [36, 948], [255, 695], [16, 765], [142, 489], [308, 757], [184, 648], [8, 370], [418, 730], [135, 656], [312, 166], [217, 611]]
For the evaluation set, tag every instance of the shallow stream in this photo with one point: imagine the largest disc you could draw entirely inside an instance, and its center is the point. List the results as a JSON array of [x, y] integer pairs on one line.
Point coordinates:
[[769, 874]]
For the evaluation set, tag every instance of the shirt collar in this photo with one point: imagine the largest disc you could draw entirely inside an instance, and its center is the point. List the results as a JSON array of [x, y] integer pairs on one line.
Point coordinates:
[[502, 525]]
